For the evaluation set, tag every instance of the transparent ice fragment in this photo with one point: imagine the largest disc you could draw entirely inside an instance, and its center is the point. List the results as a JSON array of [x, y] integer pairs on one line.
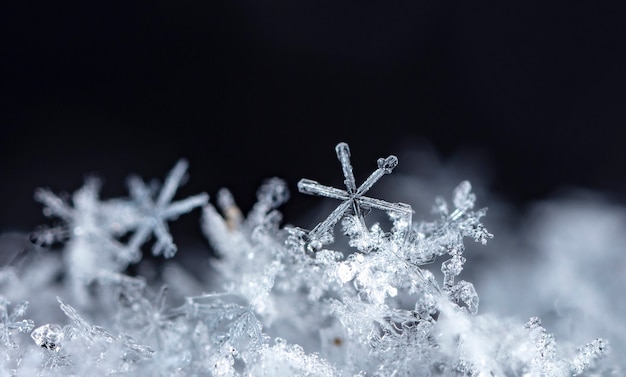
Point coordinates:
[[464, 295], [134, 352], [49, 336], [80, 327], [451, 269]]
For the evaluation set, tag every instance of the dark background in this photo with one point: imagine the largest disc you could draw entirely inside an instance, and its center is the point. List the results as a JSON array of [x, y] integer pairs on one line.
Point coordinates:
[[247, 90]]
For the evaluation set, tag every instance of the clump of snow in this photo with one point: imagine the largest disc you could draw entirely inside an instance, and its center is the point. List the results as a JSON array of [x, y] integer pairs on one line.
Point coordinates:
[[283, 300]]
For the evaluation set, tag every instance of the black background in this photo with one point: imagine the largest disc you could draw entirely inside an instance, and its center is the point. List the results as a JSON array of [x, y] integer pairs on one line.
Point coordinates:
[[247, 90]]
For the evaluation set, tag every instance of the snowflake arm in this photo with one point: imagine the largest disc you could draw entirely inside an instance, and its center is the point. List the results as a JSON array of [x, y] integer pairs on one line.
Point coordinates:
[[311, 187], [343, 154], [55, 205], [330, 221], [172, 182]]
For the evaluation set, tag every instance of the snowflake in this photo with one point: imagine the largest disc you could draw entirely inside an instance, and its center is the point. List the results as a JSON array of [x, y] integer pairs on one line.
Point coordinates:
[[156, 213], [353, 200], [86, 219], [142, 317], [9, 322]]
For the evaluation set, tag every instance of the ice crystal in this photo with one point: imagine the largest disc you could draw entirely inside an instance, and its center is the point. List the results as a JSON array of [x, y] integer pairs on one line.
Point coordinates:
[[9, 321], [587, 355], [49, 336], [94, 250], [353, 200], [277, 300], [155, 214]]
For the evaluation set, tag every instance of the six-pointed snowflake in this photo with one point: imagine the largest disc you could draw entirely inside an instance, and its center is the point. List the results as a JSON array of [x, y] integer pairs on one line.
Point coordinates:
[[353, 198]]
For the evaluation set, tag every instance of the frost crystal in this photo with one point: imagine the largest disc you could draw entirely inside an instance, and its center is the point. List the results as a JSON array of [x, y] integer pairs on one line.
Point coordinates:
[[156, 213], [587, 355], [353, 199], [266, 305], [94, 250], [49, 336], [9, 322]]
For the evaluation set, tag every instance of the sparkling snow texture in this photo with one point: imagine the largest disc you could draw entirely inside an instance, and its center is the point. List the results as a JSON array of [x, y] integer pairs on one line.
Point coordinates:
[[281, 300]]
